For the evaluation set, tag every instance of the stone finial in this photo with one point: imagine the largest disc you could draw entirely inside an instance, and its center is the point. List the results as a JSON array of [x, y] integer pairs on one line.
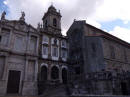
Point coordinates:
[[41, 26], [3, 15], [38, 26], [22, 18], [51, 3], [59, 11]]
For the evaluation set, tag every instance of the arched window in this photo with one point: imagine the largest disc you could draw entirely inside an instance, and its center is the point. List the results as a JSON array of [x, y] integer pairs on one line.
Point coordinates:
[[54, 22], [54, 72], [64, 75], [44, 73], [46, 24]]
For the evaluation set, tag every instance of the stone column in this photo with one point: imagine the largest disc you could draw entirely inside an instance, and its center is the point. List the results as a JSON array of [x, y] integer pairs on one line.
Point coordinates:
[[49, 72], [60, 74], [49, 46], [4, 80]]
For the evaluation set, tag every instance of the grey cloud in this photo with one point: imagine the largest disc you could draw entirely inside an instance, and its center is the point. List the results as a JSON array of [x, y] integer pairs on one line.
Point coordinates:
[[70, 9]]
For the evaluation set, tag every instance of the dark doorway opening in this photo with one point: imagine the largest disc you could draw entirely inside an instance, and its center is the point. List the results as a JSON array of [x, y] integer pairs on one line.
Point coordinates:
[[124, 88], [43, 73], [13, 82], [64, 76], [54, 72]]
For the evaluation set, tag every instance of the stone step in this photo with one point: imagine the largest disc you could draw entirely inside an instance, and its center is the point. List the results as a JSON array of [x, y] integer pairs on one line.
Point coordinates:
[[70, 96]]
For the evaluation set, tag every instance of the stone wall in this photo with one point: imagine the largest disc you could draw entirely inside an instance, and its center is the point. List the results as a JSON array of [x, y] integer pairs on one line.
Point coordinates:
[[120, 61], [15, 47]]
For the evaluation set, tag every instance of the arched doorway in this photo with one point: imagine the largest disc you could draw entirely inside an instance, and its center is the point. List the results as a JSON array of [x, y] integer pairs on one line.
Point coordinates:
[[55, 73], [64, 75], [43, 73]]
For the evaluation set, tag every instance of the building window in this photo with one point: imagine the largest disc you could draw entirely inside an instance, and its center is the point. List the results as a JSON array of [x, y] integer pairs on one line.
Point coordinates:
[[5, 38], [45, 39], [45, 50], [55, 51], [54, 22], [54, 41], [63, 53], [18, 43], [33, 43], [112, 52], [63, 43], [46, 24]]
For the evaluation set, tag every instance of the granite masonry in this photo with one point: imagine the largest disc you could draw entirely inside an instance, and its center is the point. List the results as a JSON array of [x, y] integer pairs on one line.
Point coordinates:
[[41, 61]]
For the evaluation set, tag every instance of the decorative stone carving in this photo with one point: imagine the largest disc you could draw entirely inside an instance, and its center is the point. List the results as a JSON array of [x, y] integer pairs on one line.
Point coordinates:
[[38, 26], [3, 15], [22, 18]]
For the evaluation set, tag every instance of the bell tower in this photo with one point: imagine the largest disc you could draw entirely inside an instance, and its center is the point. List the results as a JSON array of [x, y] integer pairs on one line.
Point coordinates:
[[52, 21]]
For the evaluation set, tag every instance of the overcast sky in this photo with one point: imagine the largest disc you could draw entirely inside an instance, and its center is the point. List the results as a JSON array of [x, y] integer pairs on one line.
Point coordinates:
[[112, 16]]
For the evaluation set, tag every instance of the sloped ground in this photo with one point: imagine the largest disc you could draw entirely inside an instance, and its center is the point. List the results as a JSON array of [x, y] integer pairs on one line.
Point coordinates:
[[55, 91]]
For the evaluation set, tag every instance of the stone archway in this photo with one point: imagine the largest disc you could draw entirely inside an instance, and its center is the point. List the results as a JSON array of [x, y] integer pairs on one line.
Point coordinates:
[[55, 72], [43, 73], [64, 76]]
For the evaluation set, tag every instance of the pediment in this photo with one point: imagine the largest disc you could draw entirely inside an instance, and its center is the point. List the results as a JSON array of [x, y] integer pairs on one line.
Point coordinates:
[[20, 25]]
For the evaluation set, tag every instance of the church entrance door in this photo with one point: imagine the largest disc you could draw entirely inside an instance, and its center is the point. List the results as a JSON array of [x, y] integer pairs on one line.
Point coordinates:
[[13, 82]]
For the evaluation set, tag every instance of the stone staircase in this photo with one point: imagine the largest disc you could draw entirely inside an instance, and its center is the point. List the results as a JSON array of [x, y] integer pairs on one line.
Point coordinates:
[[100, 96], [55, 91], [58, 95]]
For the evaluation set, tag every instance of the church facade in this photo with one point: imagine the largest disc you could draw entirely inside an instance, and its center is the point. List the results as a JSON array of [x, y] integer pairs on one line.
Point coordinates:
[[41, 60], [18, 57]]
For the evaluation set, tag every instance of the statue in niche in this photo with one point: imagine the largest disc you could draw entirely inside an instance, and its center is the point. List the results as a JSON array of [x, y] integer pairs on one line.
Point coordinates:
[[22, 16], [3, 15]]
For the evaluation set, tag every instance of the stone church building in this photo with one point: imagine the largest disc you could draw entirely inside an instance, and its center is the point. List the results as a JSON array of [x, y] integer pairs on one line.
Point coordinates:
[[41, 61]]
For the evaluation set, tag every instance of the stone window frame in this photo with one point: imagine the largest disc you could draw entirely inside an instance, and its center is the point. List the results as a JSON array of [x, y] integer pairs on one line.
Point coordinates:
[[65, 52], [46, 23], [5, 32], [45, 39], [47, 50], [54, 22], [36, 42], [63, 43], [55, 51], [19, 36]]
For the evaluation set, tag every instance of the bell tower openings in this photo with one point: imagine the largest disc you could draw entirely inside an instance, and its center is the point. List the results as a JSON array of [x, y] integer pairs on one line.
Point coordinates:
[[52, 21]]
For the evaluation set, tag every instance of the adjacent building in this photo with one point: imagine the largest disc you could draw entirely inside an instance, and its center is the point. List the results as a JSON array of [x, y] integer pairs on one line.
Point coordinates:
[[100, 62]]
